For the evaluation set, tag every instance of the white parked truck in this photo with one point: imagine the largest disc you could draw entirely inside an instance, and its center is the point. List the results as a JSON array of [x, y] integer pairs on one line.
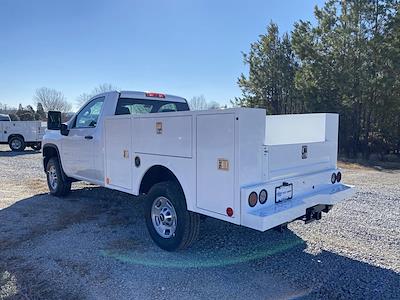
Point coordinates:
[[21, 134], [236, 165]]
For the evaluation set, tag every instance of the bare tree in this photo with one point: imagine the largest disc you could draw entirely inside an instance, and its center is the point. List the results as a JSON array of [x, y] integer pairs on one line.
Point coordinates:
[[213, 105], [52, 99], [198, 103], [83, 98], [101, 88]]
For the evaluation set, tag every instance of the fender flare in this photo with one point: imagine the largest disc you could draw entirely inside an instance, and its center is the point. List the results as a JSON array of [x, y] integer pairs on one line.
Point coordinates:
[[155, 174], [13, 135], [46, 159]]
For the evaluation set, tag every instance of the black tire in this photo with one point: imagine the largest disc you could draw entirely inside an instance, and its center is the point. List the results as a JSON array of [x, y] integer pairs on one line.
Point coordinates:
[[36, 146], [17, 144], [62, 186], [187, 223]]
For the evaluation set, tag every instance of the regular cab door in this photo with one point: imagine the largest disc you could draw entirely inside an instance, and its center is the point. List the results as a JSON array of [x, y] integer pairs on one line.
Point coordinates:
[[78, 146]]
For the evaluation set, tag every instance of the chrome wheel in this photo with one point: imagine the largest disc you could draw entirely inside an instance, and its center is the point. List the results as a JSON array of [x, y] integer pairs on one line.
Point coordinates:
[[16, 144], [52, 175], [163, 216]]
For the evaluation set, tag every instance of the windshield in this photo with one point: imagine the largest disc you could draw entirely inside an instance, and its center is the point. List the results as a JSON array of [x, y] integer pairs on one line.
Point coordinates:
[[126, 106]]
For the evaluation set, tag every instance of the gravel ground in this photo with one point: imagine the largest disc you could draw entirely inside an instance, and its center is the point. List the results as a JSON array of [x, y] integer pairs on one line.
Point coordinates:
[[94, 245]]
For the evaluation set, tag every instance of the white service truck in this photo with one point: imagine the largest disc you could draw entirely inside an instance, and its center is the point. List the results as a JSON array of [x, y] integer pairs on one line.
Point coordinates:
[[21, 134], [236, 165]]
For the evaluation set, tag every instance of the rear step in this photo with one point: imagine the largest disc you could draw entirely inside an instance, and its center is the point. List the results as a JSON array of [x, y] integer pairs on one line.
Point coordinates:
[[306, 206]]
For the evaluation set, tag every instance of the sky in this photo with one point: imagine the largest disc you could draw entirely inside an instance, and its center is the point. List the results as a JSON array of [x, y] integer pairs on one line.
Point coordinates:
[[181, 47]]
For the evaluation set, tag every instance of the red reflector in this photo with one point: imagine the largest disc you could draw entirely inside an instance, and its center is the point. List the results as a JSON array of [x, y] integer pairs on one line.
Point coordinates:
[[155, 95], [229, 211]]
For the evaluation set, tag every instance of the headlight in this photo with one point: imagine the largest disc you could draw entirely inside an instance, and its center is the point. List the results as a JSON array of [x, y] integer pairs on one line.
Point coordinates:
[[253, 199], [263, 196]]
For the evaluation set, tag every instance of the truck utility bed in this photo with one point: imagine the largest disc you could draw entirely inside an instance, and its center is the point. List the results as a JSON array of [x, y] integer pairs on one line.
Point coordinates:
[[31, 131], [221, 157]]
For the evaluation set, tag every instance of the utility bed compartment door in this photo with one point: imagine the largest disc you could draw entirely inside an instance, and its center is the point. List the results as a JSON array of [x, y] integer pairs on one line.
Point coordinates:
[[164, 135], [215, 162], [118, 160]]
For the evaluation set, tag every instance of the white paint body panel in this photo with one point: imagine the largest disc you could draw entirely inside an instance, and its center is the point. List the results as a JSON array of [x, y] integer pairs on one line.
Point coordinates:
[[119, 163], [175, 138], [262, 153], [32, 131], [223, 181]]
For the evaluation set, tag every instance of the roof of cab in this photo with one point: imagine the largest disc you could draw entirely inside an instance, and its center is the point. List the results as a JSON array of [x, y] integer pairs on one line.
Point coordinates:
[[142, 95]]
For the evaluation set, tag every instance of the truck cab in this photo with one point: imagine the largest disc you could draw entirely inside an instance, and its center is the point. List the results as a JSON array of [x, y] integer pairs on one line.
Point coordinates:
[[5, 118], [236, 165], [79, 143]]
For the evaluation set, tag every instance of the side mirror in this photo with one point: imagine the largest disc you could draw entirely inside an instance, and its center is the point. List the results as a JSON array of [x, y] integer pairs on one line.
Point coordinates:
[[54, 120], [64, 129]]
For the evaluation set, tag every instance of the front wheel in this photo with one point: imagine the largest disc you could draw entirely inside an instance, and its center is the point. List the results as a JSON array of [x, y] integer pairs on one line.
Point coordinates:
[[170, 224], [17, 144], [58, 186]]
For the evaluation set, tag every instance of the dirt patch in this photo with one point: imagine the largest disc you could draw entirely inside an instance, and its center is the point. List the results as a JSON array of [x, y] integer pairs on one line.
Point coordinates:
[[371, 165], [37, 185], [125, 245], [79, 268]]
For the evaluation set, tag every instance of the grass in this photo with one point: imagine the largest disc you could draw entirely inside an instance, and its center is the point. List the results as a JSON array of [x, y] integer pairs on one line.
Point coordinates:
[[368, 164]]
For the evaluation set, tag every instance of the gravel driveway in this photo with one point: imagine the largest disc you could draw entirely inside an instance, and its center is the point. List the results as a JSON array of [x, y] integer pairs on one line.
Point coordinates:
[[94, 245]]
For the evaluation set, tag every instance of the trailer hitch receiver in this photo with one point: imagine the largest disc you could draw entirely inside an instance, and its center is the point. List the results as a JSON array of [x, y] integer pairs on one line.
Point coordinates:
[[315, 212]]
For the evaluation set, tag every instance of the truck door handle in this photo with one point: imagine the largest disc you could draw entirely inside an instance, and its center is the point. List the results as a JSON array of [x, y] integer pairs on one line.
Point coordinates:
[[88, 137]]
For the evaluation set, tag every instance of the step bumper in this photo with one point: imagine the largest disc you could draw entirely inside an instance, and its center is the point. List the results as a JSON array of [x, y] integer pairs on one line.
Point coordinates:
[[274, 215]]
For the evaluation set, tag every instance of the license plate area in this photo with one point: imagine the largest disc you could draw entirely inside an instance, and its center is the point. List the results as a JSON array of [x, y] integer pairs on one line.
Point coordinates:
[[283, 192]]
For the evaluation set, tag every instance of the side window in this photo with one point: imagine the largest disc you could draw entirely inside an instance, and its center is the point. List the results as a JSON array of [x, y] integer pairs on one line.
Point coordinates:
[[168, 107], [89, 115]]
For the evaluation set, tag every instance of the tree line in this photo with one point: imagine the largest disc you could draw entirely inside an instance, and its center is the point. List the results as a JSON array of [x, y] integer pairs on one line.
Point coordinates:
[[347, 63], [46, 99]]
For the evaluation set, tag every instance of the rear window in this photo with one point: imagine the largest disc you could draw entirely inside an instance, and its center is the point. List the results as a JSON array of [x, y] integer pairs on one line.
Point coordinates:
[[4, 118], [126, 106]]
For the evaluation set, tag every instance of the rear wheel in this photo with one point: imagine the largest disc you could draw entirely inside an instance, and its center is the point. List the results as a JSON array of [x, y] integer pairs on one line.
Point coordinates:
[[58, 186], [17, 143], [170, 224], [36, 146]]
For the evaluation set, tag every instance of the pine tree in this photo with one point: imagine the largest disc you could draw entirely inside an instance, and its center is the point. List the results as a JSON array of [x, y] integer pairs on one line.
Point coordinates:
[[270, 82], [348, 63], [40, 114]]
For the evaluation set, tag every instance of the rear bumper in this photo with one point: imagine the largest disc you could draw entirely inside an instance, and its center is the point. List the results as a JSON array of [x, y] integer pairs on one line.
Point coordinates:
[[275, 214]]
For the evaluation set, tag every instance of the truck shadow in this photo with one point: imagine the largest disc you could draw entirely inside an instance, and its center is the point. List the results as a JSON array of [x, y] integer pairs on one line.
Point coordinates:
[[77, 234], [9, 153]]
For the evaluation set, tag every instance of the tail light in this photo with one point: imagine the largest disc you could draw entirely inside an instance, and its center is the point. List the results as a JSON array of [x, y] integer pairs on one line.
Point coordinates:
[[333, 178], [253, 199], [263, 196], [155, 95], [339, 177]]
